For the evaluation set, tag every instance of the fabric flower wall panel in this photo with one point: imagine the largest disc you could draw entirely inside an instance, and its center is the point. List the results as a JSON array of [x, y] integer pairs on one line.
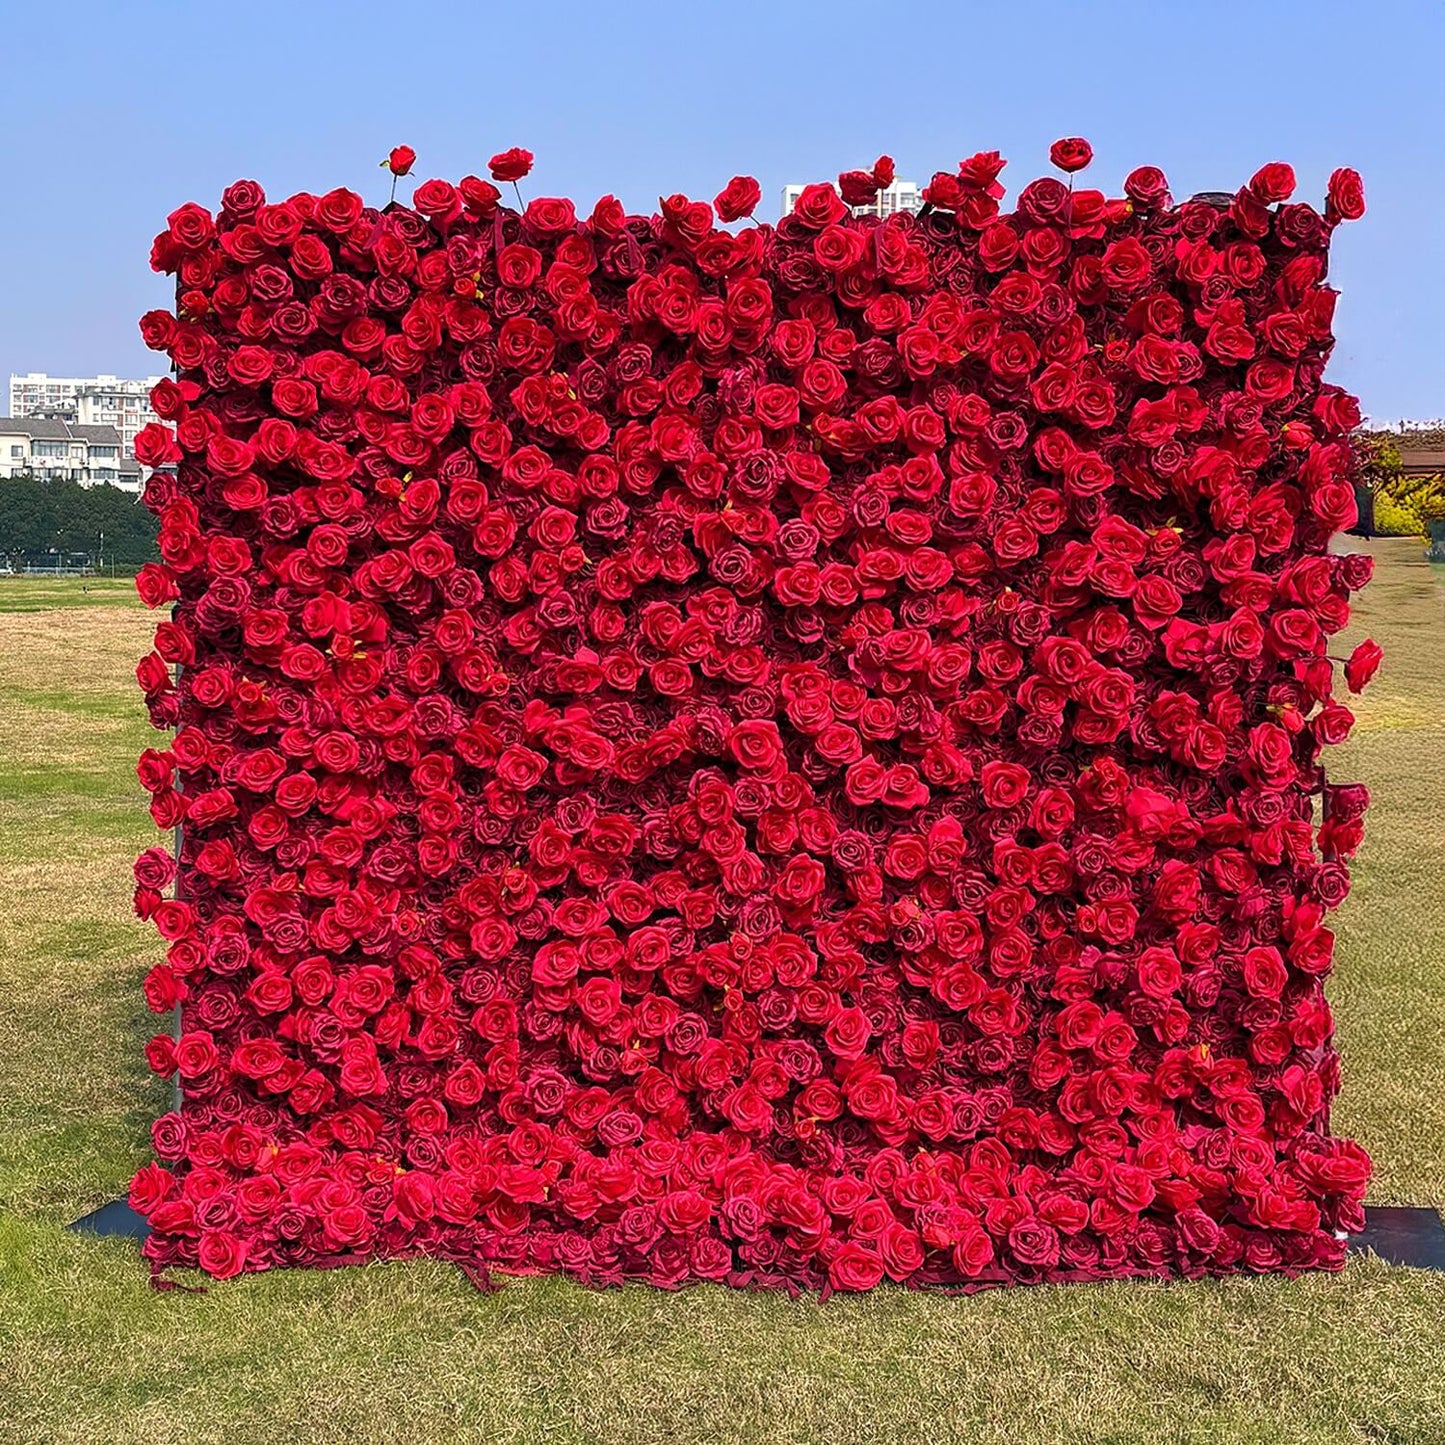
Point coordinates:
[[786, 756]]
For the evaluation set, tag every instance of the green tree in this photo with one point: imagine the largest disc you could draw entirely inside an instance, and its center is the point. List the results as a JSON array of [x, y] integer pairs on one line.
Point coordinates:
[[37, 515]]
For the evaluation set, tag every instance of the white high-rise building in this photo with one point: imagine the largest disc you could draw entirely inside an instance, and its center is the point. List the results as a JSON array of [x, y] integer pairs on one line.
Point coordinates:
[[900, 196], [87, 401]]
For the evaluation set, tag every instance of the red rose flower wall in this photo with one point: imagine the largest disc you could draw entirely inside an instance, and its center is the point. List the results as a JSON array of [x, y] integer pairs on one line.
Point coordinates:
[[786, 757]]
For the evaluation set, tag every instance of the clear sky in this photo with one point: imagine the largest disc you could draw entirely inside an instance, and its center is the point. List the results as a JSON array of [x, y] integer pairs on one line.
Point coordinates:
[[116, 113]]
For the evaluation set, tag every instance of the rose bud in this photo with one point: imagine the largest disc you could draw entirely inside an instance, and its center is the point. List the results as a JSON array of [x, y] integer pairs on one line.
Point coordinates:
[[400, 161]]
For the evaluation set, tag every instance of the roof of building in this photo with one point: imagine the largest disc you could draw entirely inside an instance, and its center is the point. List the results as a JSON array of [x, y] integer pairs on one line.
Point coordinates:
[[43, 429], [1421, 461]]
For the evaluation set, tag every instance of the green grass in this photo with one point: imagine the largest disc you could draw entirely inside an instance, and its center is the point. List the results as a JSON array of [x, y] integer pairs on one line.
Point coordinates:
[[409, 1352], [27, 593]]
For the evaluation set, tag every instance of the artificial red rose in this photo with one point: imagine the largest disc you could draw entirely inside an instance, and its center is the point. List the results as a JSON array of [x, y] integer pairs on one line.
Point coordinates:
[[339, 210], [1004, 784], [1273, 182], [857, 188], [1159, 972], [756, 745], [1034, 1243], [196, 1054], [819, 206], [155, 868], [510, 165], [1363, 663], [156, 585], [1346, 195], [738, 198], [854, 1267], [400, 160], [190, 226], [150, 1187], [221, 1253], [155, 446], [1071, 154], [1332, 724], [1147, 188], [1264, 972], [438, 199]]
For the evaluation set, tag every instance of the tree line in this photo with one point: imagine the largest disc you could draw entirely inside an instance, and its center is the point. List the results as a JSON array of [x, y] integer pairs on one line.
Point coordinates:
[[39, 516]]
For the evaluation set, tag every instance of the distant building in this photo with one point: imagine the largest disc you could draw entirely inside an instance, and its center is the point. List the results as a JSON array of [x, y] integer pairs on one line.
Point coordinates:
[[1421, 448], [66, 451], [900, 196], [87, 401]]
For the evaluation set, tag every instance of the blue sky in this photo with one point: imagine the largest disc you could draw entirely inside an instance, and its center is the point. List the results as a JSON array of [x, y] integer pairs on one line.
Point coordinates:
[[117, 113]]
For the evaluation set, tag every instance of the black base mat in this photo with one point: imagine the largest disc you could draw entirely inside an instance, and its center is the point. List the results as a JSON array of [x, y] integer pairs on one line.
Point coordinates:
[[115, 1218], [1415, 1237]]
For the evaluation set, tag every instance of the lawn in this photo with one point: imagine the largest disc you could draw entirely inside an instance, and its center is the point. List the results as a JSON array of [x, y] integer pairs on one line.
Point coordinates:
[[410, 1352]]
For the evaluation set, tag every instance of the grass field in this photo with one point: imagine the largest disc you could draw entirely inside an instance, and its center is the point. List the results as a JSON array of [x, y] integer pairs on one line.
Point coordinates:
[[411, 1353]]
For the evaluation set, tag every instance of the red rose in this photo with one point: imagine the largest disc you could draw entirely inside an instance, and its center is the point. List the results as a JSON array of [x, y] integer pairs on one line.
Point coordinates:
[[479, 197], [190, 226], [1346, 196], [339, 210], [150, 1187], [1264, 972], [756, 745], [1071, 154], [155, 868], [857, 188], [738, 198], [221, 1253], [155, 446], [1147, 188], [1332, 724], [1004, 784], [1159, 972], [847, 1033], [1363, 663], [510, 165], [1034, 1243], [400, 161], [819, 206], [437, 199], [1274, 182], [196, 1054], [854, 1267]]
